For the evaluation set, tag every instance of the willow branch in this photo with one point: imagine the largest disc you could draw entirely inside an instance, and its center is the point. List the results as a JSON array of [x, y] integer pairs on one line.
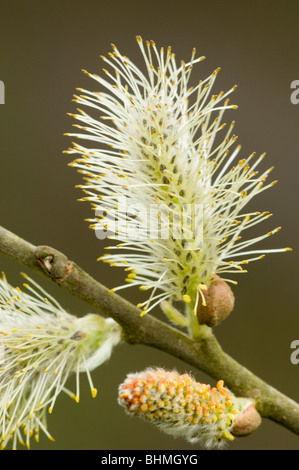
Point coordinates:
[[206, 354]]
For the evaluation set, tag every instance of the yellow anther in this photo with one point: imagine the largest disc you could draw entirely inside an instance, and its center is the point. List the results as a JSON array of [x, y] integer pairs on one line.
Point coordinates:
[[227, 435], [132, 275], [187, 298], [144, 288], [203, 287]]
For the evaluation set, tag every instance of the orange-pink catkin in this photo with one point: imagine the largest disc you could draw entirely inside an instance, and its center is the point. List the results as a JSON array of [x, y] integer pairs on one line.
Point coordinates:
[[175, 402]]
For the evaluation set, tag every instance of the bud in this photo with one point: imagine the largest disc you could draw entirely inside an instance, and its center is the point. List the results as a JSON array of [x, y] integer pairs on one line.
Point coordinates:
[[219, 302], [247, 422], [180, 406]]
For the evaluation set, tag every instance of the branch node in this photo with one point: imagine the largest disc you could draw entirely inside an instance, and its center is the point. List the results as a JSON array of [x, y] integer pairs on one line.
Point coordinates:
[[53, 263]]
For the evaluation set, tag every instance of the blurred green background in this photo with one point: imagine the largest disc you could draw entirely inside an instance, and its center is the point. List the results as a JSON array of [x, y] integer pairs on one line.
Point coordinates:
[[43, 47]]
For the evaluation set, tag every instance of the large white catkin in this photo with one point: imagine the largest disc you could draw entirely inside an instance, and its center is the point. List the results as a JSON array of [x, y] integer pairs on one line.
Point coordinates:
[[152, 148]]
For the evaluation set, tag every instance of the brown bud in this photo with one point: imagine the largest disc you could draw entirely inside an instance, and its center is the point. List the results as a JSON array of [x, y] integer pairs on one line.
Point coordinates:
[[219, 303], [246, 422]]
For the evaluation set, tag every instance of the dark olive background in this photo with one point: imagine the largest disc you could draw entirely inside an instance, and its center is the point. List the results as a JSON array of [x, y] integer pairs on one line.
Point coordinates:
[[43, 47]]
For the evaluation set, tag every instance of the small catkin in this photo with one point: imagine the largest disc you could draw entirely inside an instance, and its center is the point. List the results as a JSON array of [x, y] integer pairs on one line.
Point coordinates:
[[180, 406]]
